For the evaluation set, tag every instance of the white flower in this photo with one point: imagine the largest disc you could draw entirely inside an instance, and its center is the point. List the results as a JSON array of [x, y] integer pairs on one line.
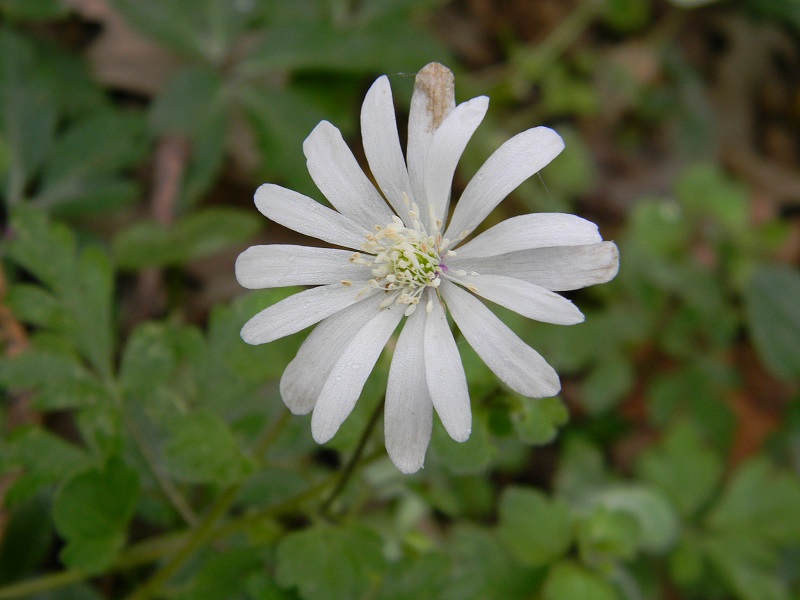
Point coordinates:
[[409, 261]]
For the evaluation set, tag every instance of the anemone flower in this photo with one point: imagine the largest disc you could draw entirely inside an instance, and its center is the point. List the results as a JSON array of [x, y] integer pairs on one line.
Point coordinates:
[[399, 255]]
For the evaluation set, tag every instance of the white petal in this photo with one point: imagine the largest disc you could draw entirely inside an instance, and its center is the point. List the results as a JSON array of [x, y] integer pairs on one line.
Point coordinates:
[[431, 102], [518, 365], [382, 146], [525, 298], [336, 172], [511, 164], [446, 149], [408, 419], [557, 269], [299, 311], [347, 378], [279, 265], [538, 230], [444, 373], [304, 215], [304, 376]]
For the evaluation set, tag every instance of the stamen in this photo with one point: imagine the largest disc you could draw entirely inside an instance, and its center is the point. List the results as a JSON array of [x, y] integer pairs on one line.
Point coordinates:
[[404, 261]]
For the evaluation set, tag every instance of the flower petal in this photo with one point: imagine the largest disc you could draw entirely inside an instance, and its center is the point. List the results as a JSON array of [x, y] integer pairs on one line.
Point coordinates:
[[348, 375], [556, 269], [527, 299], [300, 311], [279, 265], [304, 215], [408, 419], [511, 164], [539, 230], [446, 149], [382, 146], [512, 360], [304, 376], [444, 373], [336, 172], [431, 102]]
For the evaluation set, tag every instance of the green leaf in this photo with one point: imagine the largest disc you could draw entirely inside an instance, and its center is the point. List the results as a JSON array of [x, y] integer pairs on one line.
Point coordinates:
[[695, 390], [224, 576], [67, 384], [684, 469], [483, 568], [281, 118], [782, 12], [328, 563], [148, 359], [771, 299], [706, 190], [627, 15], [200, 28], [581, 470], [608, 383], [423, 576], [92, 554], [537, 421], [202, 449], [92, 511], [199, 234], [213, 230], [687, 563], [194, 105], [27, 118], [81, 282], [354, 45], [189, 103], [46, 250], [748, 565], [536, 529], [90, 303], [569, 580], [83, 170], [24, 10], [31, 304], [657, 520], [761, 501], [607, 536], [659, 227], [472, 456], [45, 458]]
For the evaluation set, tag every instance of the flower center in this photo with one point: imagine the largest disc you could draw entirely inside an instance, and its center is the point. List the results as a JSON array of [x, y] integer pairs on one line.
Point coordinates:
[[404, 261]]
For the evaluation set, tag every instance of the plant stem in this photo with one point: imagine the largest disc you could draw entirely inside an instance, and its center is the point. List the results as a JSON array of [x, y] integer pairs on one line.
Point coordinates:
[[203, 532], [350, 468], [167, 486], [197, 540], [271, 435], [169, 544]]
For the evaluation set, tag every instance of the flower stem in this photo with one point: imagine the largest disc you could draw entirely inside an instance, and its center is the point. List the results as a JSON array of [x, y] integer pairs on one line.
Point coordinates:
[[350, 468]]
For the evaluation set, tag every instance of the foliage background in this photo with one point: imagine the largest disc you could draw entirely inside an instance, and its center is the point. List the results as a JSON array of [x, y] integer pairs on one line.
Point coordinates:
[[145, 451]]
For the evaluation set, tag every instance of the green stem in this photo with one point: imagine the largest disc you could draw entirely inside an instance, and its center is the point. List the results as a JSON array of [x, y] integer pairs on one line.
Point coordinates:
[[181, 546], [197, 540], [271, 435], [203, 532], [171, 543], [170, 490], [350, 468]]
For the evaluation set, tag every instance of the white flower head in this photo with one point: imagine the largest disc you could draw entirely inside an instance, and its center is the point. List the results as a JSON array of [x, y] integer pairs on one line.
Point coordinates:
[[407, 259]]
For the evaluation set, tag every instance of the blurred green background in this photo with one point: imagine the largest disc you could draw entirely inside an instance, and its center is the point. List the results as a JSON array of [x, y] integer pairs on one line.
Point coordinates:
[[145, 451]]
